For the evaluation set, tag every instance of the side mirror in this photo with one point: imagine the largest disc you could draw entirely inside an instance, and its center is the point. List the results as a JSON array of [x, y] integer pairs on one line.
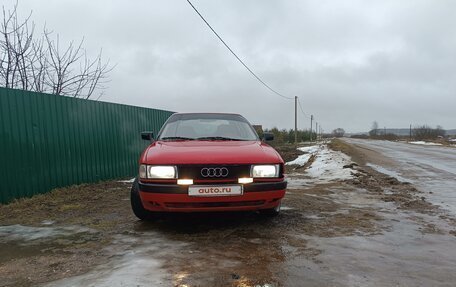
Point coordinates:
[[148, 136], [268, 136]]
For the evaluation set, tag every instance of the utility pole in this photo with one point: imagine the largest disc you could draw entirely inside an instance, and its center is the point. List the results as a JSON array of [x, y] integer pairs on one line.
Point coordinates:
[[311, 120], [316, 132], [410, 132], [296, 121]]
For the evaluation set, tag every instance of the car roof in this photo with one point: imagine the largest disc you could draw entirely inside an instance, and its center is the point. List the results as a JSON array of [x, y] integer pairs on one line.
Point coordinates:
[[211, 113], [187, 116]]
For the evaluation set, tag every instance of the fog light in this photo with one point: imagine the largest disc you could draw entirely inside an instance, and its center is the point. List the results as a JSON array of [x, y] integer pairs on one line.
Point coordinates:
[[245, 180], [185, 181]]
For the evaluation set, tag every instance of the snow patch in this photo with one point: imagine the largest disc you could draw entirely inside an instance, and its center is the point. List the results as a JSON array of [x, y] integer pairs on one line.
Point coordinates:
[[19, 232], [309, 149], [424, 143], [127, 181], [286, 208], [327, 166], [304, 158]]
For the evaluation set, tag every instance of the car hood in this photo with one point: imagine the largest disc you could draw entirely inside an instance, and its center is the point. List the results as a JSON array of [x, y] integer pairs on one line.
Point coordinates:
[[213, 152]]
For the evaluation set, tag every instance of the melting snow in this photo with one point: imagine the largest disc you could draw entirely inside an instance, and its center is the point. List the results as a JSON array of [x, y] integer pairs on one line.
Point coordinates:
[[424, 143], [327, 165], [28, 233], [301, 160], [309, 149], [127, 181], [286, 208], [304, 158]]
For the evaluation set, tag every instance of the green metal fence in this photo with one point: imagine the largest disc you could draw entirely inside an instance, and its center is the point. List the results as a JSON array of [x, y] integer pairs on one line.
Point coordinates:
[[49, 141]]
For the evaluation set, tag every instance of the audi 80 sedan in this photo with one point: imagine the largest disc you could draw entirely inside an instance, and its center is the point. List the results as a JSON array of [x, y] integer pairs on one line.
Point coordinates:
[[205, 162]]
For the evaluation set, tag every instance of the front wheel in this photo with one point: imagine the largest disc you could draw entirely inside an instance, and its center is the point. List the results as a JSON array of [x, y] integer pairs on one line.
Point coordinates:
[[136, 204], [271, 212]]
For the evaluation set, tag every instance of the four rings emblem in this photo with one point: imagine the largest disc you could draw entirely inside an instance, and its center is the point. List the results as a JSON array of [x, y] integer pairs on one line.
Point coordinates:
[[214, 172]]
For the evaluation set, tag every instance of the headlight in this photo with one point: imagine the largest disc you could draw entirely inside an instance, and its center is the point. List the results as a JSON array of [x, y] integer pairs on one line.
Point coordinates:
[[157, 171], [265, 170]]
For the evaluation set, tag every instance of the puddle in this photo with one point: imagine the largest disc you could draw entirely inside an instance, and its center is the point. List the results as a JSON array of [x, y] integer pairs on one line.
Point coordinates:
[[134, 269], [294, 182], [403, 256], [387, 172], [135, 261], [18, 241]]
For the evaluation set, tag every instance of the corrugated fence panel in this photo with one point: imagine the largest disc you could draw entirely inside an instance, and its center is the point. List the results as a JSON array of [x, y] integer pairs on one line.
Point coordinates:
[[49, 141]]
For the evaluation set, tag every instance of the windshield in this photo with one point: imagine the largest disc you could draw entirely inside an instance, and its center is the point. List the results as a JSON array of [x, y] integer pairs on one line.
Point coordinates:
[[207, 127]]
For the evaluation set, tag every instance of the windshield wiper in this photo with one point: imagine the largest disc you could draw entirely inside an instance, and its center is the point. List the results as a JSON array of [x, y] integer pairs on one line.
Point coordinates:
[[218, 139], [176, 138]]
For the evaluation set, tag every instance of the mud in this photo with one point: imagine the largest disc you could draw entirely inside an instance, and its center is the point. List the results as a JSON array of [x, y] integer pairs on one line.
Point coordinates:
[[371, 230], [388, 188], [61, 233]]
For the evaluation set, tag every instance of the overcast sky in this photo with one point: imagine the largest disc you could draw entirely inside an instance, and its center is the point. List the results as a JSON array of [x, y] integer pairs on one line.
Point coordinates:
[[349, 62]]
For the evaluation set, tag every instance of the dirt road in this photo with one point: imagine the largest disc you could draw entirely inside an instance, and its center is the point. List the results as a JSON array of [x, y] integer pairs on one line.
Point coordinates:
[[364, 228], [432, 169]]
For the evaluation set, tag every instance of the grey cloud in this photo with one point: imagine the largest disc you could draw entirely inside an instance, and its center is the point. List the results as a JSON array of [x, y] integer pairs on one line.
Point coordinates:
[[350, 62]]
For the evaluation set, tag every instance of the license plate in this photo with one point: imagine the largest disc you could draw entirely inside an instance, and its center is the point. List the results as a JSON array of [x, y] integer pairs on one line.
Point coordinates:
[[214, 190]]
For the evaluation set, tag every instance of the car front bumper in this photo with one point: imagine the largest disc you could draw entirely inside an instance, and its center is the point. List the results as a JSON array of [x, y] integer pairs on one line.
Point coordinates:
[[175, 198]]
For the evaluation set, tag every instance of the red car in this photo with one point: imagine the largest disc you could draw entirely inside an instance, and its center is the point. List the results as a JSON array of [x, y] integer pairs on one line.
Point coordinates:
[[208, 162]]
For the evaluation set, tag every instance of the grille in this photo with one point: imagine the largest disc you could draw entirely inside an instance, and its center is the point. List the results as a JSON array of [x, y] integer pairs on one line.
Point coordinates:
[[194, 172]]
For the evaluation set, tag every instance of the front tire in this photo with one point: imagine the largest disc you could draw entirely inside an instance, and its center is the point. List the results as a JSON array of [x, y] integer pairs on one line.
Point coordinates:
[[136, 203]]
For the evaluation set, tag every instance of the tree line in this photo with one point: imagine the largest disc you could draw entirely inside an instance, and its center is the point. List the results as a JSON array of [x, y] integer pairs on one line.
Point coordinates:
[[419, 132], [288, 136]]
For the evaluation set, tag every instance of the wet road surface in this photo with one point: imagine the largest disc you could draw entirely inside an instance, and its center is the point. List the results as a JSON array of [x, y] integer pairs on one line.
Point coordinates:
[[432, 169]]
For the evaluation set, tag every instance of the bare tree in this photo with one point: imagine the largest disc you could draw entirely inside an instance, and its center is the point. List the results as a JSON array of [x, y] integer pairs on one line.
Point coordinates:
[[374, 129], [40, 64], [425, 132], [338, 133]]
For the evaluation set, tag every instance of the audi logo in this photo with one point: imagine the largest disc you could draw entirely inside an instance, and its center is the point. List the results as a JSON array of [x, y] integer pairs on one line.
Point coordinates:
[[214, 172]]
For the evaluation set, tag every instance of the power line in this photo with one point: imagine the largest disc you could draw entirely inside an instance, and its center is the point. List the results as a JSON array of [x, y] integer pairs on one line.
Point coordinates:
[[302, 111], [234, 54]]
